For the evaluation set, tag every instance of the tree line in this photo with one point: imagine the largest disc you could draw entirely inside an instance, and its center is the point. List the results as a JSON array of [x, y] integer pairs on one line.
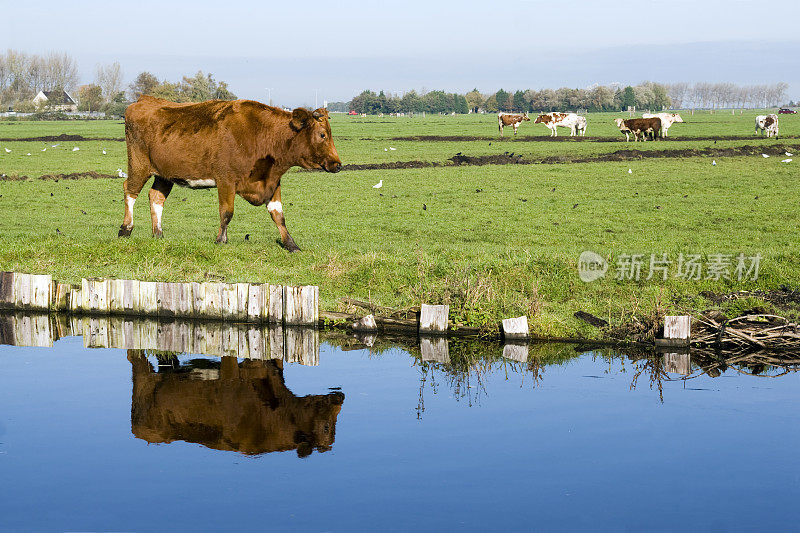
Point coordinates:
[[644, 96]]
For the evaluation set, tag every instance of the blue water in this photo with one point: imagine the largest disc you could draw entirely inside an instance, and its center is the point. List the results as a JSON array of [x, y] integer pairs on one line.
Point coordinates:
[[577, 450]]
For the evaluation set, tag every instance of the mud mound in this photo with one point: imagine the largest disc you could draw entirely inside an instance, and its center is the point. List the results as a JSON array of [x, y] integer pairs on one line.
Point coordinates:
[[55, 177], [62, 138], [499, 159], [567, 138], [394, 165]]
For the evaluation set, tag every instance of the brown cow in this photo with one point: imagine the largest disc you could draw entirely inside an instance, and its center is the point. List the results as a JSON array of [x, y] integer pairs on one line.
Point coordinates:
[[243, 407], [639, 126], [240, 147], [508, 119]]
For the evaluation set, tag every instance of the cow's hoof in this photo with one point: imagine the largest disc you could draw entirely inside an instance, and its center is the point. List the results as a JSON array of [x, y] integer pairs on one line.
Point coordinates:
[[223, 240], [289, 245], [158, 235], [124, 232]]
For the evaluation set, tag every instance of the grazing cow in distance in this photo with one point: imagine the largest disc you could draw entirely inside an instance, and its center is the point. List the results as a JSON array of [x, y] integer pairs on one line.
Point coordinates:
[[240, 147], [639, 126], [667, 119], [573, 121], [768, 124], [510, 119]]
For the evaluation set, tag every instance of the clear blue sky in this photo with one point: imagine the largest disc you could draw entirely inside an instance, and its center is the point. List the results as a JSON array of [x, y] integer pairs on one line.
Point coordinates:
[[340, 48]]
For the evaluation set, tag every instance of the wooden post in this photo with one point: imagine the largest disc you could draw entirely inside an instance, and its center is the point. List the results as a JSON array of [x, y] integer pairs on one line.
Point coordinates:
[[61, 297], [516, 328], [166, 299], [148, 298], [123, 296], [22, 291], [6, 290], [184, 300], [301, 305], [229, 301], [516, 352], [242, 291], [41, 288], [255, 303], [433, 319], [75, 301], [212, 301], [677, 331], [274, 302], [435, 349], [95, 296]]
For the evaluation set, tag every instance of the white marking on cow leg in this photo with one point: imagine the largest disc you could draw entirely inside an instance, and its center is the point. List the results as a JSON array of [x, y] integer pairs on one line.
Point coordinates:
[[275, 206], [157, 210], [129, 201]]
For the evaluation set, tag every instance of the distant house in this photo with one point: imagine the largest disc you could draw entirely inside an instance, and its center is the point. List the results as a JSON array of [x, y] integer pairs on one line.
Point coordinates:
[[58, 100]]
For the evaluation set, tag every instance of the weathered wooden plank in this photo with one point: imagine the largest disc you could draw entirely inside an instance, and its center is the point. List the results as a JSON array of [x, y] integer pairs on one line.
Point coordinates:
[[7, 299], [230, 340], [433, 319], [516, 352], [677, 331], [516, 328], [242, 290], [94, 292], [95, 332], [435, 349], [123, 296], [229, 301], [148, 298], [41, 287], [61, 297], [277, 346], [256, 308], [184, 300], [212, 301], [274, 302], [147, 331], [302, 345], [75, 301], [22, 291], [167, 301], [213, 338], [256, 342], [300, 305], [365, 324]]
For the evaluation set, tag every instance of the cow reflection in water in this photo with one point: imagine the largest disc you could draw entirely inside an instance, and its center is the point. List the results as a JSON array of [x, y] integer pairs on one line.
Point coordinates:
[[244, 407]]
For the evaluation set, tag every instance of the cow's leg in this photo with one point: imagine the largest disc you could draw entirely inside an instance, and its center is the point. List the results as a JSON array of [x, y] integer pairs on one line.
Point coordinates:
[[158, 195], [226, 193], [275, 209], [132, 186], [515, 128], [500, 127]]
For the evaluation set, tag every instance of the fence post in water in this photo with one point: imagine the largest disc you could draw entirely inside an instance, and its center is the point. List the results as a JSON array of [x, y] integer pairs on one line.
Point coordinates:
[[148, 298], [241, 301], [516, 328], [41, 288], [184, 299], [274, 302], [301, 305], [123, 296], [61, 297], [22, 291], [255, 303], [229, 301], [677, 331], [212, 300], [433, 319], [165, 295], [75, 301]]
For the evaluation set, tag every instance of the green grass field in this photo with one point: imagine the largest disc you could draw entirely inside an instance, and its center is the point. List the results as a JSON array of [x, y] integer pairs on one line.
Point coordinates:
[[493, 241]]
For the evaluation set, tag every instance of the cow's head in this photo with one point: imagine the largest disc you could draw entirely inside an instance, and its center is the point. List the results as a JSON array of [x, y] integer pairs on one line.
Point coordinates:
[[676, 117], [313, 142], [619, 122], [525, 117], [542, 119]]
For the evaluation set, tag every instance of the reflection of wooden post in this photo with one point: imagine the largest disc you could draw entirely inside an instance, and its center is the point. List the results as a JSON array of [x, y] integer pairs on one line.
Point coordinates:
[[255, 342], [230, 340], [302, 345], [148, 298], [199, 339], [516, 352], [148, 334], [433, 319], [434, 349], [301, 305], [95, 332], [213, 338], [516, 328], [275, 304], [678, 363], [277, 348]]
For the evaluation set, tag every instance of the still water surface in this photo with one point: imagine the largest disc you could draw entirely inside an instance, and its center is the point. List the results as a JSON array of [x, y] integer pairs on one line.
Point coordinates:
[[375, 438]]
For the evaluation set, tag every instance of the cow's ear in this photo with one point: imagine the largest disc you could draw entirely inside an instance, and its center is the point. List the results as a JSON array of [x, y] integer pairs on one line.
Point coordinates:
[[320, 114], [300, 118]]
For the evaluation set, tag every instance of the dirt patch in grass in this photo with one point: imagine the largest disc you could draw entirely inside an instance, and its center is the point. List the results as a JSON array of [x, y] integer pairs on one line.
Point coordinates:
[[55, 177], [566, 138], [61, 138]]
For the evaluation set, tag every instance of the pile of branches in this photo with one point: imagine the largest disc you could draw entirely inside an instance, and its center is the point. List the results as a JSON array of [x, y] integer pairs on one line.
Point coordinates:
[[764, 332]]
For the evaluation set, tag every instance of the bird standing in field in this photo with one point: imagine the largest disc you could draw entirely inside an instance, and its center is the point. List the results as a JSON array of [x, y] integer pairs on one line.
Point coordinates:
[[764, 156], [714, 162], [75, 149], [121, 174], [104, 152], [8, 151], [378, 185]]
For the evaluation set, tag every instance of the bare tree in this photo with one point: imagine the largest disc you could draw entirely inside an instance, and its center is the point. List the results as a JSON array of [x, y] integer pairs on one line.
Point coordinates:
[[109, 78]]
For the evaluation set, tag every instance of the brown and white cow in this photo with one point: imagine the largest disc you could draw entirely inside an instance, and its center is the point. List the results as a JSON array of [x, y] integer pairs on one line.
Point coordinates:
[[573, 121], [768, 124], [240, 147], [509, 119], [667, 120], [639, 126]]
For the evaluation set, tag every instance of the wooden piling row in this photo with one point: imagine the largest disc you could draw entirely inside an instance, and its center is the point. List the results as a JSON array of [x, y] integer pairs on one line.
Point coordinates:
[[232, 302]]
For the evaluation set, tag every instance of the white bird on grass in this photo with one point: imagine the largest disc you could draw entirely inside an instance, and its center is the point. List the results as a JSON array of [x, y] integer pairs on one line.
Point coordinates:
[[54, 145], [8, 151], [764, 156], [104, 152], [786, 160], [44, 149], [28, 153], [378, 185], [75, 149], [121, 173], [714, 162], [787, 153], [385, 149], [630, 171], [393, 148]]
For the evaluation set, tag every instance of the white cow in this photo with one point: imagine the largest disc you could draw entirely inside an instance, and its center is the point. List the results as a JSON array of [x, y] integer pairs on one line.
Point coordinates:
[[767, 123], [667, 119], [573, 121]]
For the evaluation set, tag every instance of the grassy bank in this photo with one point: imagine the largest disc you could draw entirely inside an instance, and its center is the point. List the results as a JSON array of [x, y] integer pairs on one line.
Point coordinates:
[[493, 241]]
